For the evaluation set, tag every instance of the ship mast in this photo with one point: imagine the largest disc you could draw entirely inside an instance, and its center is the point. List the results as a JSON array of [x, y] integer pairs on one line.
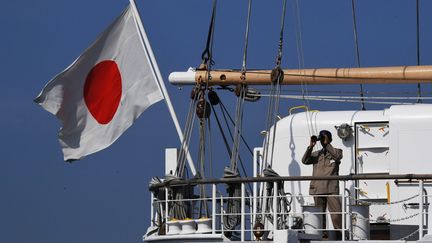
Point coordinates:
[[366, 75]]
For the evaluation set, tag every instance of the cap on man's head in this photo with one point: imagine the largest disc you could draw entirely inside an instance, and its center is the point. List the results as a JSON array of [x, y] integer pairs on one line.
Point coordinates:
[[326, 133]]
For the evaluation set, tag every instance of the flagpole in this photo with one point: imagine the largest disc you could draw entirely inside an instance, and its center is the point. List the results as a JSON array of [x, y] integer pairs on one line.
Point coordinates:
[[160, 81]]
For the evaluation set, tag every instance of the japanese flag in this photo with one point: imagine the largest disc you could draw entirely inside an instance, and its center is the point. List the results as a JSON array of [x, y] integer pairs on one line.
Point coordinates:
[[104, 90]]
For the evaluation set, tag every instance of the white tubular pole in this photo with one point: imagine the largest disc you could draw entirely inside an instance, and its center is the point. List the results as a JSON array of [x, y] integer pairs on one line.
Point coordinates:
[[166, 206], [221, 214], [421, 209], [152, 218], [243, 211], [343, 210], [275, 190], [254, 184], [147, 46], [213, 208]]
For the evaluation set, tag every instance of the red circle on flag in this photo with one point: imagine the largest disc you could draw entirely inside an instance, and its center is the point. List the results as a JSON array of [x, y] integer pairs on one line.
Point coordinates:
[[103, 90]]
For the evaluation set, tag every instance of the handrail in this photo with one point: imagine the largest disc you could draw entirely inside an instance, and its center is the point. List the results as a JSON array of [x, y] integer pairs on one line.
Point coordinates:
[[191, 182], [278, 214]]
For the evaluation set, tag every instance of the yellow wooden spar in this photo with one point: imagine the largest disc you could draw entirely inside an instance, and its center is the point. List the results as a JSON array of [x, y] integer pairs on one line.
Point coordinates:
[[366, 75]]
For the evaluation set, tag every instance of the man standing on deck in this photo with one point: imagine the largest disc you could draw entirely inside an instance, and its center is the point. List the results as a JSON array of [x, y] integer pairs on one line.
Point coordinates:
[[325, 163]]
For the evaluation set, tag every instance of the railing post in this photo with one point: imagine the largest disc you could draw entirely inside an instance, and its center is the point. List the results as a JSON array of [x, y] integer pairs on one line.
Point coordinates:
[[242, 219], [166, 205], [213, 208], [421, 209], [343, 210], [275, 190], [221, 214], [254, 188], [152, 219]]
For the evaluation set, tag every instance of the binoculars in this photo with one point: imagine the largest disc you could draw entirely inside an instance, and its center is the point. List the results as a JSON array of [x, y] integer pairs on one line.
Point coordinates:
[[316, 138]]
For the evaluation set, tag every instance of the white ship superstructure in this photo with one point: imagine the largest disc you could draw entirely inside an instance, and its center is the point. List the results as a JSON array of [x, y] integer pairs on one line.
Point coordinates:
[[384, 183]]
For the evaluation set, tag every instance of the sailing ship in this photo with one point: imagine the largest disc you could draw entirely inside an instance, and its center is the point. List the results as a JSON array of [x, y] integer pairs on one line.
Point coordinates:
[[383, 178]]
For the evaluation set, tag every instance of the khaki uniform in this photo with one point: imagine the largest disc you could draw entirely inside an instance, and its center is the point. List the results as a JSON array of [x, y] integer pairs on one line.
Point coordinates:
[[325, 163]]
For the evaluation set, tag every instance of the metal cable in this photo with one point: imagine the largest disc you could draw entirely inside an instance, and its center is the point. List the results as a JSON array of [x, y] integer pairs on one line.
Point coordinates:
[[240, 100], [283, 205], [357, 48], [206, 55], [221, 131], [202, 145], [181, 164], [299, 38], [273, 107], [237, 129], [225, 114], [210, 147], [177, 207], [300, 57], [419, 94], [232, 218], [352, 97], [232, 139], [246, 40], [346, 92], [275, 114], [337, 100], [225, 111], [279, 55], [267, 128]]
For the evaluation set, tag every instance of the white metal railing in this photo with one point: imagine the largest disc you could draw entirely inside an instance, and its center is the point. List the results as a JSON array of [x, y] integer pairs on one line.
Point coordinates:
[[248, 211]]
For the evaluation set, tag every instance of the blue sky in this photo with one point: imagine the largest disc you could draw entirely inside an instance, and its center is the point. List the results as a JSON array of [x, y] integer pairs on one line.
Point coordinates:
[[104, 197]]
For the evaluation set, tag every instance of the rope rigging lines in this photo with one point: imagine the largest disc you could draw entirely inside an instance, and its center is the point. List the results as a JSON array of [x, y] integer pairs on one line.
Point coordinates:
[[234, 190], [203, 100], [277, 76], [356, 46], [385, 100], [419, 93]]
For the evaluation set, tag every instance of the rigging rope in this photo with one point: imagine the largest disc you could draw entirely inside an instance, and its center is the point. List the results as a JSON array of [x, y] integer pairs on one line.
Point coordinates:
[[206, 56], [177, 209], [203, 108], [279, 55], [181, 164], [241, 93], [419, 94], [300, 97], [225, 112], [299, 38], [243, 70], [224, 136], [202, 144], [237, 129], [300, 57], [357, 49], [277, 75], [352, 97], [210, 148], [231, 220], [350, 92], [283, 204]]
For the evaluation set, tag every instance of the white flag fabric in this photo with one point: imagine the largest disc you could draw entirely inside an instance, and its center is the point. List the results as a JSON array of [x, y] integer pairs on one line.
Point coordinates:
[[104, 90]]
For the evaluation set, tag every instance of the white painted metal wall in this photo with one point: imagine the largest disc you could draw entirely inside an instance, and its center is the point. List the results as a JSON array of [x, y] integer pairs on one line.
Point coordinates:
[[401, 147]]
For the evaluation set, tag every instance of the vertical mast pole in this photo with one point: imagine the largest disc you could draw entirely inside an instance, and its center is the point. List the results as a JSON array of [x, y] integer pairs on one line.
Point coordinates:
[[159, 79]]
